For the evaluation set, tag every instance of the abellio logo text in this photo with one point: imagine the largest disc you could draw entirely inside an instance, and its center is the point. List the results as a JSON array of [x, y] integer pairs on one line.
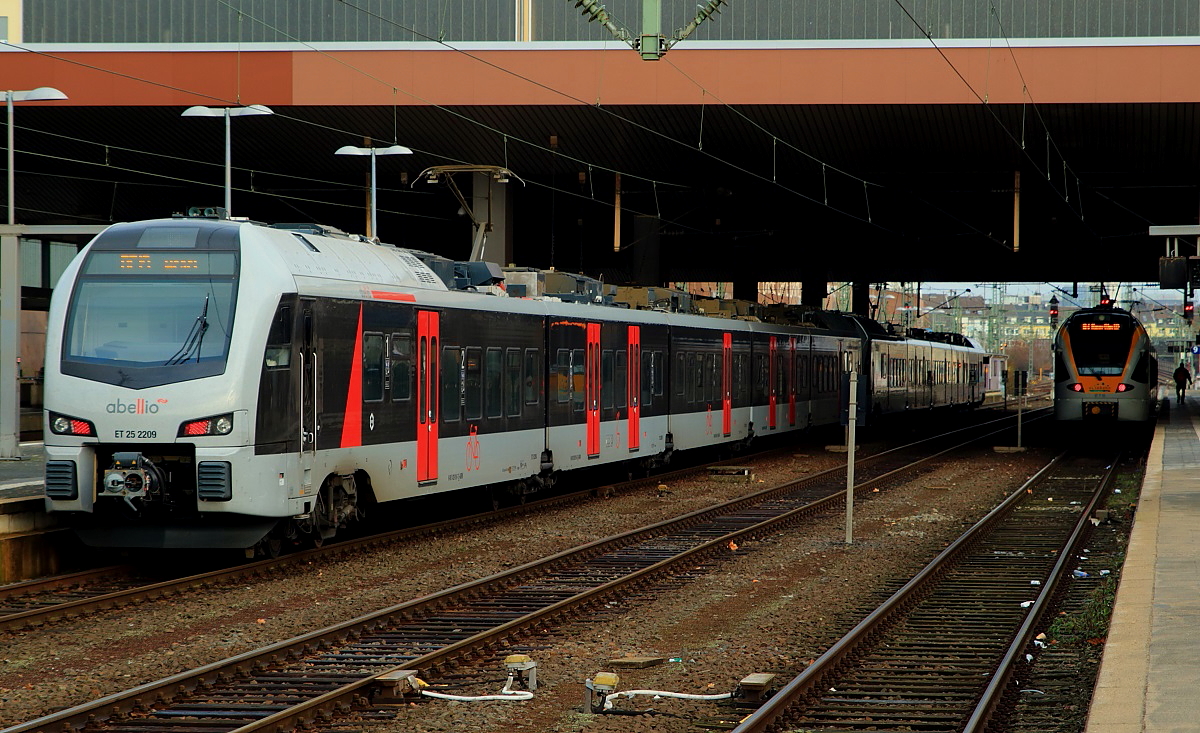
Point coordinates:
[[136, 407]]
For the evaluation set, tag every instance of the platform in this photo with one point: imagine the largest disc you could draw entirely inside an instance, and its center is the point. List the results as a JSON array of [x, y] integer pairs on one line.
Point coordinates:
[[1151, 667], [24, 478]]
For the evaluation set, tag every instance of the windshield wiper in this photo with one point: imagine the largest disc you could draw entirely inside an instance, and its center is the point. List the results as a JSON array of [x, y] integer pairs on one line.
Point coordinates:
[[193, 340]]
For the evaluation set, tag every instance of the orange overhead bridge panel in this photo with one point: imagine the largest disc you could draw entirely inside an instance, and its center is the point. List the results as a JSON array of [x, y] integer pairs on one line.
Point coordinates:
[[558, 76]]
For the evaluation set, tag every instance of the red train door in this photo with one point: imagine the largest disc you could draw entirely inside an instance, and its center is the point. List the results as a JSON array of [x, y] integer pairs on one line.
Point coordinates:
[[592, 379], [634, 387], [771, 385], [790, 381], [727, 384], [427, 383]]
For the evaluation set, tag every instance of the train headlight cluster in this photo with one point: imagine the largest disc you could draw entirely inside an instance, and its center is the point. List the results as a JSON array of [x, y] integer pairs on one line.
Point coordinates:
[[65, 425], [1077, 387], [215, 425]]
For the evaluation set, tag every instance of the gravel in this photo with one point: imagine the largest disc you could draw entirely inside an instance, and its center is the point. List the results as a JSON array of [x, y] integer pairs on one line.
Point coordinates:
[[772, 605]]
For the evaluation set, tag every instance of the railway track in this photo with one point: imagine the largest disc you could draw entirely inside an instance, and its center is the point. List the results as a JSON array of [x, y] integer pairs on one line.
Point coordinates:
[[42, 601], [942, 653], [305, 679]]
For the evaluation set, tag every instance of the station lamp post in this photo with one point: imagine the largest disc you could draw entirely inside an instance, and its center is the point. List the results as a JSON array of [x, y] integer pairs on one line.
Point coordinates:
[[10, 290], [373, 151], [10, 96], [227, 113]]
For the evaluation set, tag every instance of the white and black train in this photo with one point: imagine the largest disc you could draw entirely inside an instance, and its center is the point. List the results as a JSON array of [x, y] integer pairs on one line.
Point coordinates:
[[226, 384]]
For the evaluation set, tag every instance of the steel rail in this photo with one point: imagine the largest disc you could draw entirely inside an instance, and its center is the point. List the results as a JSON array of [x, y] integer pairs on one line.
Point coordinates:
[[993, 695], [43, 614], [138, 700], [821, 675]]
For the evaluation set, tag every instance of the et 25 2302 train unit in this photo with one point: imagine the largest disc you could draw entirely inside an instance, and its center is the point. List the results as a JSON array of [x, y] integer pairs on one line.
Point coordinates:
[[225, 384]]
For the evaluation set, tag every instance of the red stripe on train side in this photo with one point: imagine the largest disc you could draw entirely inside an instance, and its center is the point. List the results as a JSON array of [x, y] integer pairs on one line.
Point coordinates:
[[384, 295], [352, 426]]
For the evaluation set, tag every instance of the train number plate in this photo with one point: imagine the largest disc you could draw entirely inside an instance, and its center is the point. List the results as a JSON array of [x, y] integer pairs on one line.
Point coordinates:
[[135, 434]]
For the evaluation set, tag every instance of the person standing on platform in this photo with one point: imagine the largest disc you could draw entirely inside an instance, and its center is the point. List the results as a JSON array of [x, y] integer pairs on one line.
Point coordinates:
[[1183, 378]]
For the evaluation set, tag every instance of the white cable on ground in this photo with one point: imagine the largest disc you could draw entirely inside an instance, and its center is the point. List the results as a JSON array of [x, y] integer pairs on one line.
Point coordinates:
[[505, 694], [608, 699]]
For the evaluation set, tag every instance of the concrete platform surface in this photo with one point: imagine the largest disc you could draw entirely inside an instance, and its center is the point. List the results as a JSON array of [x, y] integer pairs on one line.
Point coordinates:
[[25, 477], [1150, 676]]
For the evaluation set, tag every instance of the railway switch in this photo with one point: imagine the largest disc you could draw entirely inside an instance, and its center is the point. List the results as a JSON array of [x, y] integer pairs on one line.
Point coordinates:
[[522, 667]]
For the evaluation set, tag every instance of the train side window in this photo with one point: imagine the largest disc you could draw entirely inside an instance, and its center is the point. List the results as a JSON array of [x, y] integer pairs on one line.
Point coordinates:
[[494, 381], [607, 388], [689, 394], [780, 377], [279, 344], [698, 378], [532, 377], [372, 367], [434, 369], [578, 380], [740, 381], [562, 374], [512, 390], [707, 377], [647, 378], [621, 377], [401, 348], [452, 383], [473, 384], [659, 374], [680, 371]]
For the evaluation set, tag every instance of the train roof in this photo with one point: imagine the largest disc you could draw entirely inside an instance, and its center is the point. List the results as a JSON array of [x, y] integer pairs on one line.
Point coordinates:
[[323, 253]]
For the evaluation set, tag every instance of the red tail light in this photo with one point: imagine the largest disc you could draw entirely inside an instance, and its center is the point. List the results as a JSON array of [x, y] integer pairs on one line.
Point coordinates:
[[1077, 387], [1124, 387], [196, 427]]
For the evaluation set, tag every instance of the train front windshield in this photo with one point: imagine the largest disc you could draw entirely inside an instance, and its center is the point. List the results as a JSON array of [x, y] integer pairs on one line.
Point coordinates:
[[1100, 343], [146, 315]]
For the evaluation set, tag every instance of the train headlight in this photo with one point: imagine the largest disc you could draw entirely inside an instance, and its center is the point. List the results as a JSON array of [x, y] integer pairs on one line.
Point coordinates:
[[66, 425], [215, 425]]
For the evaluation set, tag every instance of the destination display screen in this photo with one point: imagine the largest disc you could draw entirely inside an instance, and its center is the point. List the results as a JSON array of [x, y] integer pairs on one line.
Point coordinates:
[[144, 262], [1100, 327]]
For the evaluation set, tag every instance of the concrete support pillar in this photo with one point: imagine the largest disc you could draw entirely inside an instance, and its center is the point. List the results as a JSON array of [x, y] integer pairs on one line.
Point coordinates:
[[10, 345], [492, 201], [813, 291], [746, 290], [645, 257], [860, 299]]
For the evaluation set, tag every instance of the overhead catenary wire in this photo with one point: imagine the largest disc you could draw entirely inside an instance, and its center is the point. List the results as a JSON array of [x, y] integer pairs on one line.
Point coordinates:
[[984, 101], [220, 100], [825, 167], [698, 147]]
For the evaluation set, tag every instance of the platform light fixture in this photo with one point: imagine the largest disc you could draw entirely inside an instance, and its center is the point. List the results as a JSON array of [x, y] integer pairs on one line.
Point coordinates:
[[10, 96], [373, 151], [10, 289], [227, 113]]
